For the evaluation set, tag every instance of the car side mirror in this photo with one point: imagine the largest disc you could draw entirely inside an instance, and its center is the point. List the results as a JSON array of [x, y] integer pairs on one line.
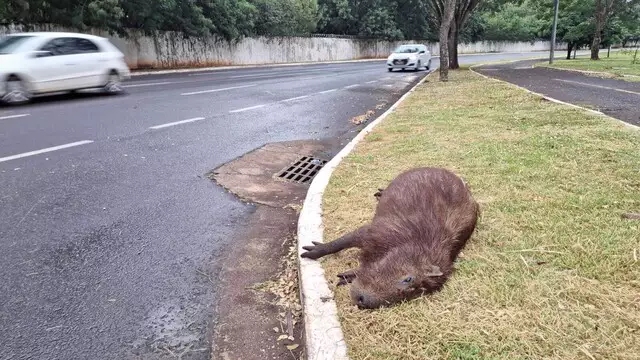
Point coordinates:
[[41, 53]]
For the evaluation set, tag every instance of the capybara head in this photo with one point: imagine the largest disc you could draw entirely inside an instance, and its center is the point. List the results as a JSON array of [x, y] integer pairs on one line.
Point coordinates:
[[398, 276]]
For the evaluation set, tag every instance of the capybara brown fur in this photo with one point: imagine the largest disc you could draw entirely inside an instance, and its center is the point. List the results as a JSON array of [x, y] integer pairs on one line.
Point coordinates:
[[422, 221]]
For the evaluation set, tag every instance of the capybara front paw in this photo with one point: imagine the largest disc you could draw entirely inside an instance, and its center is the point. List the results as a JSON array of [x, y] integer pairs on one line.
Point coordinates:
[[314, 251]]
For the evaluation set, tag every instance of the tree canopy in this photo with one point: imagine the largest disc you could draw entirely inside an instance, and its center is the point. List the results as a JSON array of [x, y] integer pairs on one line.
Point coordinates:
[[513, 20]]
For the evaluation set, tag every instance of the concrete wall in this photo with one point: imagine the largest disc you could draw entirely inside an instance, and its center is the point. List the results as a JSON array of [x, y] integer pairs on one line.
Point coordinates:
[[171, 49]]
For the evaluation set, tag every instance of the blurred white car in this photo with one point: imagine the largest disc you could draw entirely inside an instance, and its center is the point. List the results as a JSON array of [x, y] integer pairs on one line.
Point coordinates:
[[46, 62], [410, 56]]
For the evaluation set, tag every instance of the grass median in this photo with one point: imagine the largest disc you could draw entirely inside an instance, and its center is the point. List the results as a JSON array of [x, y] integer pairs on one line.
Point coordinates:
[[552, 271], [618, 64]]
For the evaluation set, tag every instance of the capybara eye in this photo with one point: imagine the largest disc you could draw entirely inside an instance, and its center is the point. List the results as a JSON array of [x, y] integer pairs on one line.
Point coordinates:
[[408, 279]]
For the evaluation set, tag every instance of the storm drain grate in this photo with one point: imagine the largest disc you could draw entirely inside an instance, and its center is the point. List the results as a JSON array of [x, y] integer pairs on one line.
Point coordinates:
[[302, 170]]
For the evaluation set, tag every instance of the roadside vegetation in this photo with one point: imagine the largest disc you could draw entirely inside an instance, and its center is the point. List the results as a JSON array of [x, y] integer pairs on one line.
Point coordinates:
[[619, 63], [473, 20], [552, 271]]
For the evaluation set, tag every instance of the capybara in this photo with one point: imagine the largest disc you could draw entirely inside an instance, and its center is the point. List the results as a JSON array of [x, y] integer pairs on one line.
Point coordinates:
[[422, 221]]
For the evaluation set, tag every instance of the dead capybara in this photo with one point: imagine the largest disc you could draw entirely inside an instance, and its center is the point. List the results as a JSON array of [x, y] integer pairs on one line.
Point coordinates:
[[422, 221]]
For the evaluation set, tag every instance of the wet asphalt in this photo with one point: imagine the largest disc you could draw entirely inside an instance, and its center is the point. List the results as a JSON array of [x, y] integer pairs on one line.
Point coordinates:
[[110, 248], [617, 98]]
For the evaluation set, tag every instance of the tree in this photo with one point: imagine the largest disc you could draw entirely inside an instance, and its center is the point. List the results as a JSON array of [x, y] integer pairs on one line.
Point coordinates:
[[461, 13], [603, 11], [463, 10], [448, 12]]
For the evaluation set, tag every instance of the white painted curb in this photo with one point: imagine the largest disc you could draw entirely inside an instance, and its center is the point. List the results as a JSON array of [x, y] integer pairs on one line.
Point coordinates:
[[256, 66], [548, 98], [323, 335]]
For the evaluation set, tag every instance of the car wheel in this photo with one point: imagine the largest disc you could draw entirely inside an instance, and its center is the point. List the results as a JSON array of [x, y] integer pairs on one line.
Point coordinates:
[[113, 84], [390, 69], [429, 65], [418, 66], [16, 92]]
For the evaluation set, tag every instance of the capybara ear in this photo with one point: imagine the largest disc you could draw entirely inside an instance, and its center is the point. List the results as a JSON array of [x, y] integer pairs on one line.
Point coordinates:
[[434, 272]]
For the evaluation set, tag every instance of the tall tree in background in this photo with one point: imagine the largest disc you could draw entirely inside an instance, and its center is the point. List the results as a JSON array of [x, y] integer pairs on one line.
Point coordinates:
[[463, 10], [448, 12], [604, 9]]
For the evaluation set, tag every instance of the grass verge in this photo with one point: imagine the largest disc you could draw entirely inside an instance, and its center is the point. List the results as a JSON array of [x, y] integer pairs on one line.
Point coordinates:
[[552, 271], [618, 64]]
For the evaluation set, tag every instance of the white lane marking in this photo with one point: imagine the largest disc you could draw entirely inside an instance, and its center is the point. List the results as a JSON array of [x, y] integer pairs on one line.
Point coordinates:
[[149, 84], [46, 150], [13, 116], [217, 90], [372, 82], [295, 98], [247, 108], [351, 86], [599, 86], [327, 91], [176, 123]]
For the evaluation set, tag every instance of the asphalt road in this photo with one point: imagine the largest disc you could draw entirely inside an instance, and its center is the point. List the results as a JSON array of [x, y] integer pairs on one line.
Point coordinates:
[[617, 98], [110, 232]]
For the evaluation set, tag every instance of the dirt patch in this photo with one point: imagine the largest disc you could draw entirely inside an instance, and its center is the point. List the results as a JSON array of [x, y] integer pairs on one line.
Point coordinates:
[[252, 312], [259, 310]]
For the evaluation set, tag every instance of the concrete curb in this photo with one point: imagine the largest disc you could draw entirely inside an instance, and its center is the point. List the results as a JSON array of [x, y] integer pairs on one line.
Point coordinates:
[[258, 66], [234, 67], [324, 339], [548, 98], [607, 75]]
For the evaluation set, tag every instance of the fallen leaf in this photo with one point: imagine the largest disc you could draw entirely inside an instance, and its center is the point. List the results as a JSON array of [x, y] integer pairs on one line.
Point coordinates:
[[283, 337], [292, 346]]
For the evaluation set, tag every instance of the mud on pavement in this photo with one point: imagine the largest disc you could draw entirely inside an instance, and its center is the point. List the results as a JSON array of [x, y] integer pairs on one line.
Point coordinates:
[[259, 312]]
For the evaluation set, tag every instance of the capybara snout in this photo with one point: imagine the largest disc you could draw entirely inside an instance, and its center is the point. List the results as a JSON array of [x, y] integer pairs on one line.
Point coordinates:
[[423, 219]]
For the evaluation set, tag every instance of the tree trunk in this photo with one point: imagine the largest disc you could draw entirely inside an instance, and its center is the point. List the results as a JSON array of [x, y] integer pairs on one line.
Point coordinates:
[[445, 26], [569, 48], [601, 15], [454, 34]]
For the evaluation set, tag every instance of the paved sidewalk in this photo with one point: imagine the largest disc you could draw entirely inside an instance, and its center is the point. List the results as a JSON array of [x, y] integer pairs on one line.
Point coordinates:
[[617, 98]]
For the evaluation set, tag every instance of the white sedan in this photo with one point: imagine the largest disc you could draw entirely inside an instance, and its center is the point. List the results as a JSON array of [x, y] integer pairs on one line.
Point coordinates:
[[410, 56], [47, 62]]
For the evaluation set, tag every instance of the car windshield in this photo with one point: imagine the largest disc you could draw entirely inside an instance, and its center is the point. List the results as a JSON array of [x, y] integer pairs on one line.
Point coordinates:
[[9, 44], [406, 49]]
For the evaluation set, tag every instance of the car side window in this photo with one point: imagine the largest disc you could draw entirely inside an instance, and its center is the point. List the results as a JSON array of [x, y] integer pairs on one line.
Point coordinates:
[[60, 46], [85, 46]]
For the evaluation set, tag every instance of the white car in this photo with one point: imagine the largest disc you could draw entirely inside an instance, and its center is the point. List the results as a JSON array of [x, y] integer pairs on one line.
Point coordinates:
[[410, 56], [46, 62]]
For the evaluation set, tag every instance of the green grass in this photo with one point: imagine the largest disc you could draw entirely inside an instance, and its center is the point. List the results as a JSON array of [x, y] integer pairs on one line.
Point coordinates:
[[618, 64], [552, 271]]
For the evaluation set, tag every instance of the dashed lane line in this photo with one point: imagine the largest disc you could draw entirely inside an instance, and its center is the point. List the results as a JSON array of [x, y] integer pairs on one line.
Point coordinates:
[[599, 86], [13, 116], [45, 150], [217, 90], [176, 123]]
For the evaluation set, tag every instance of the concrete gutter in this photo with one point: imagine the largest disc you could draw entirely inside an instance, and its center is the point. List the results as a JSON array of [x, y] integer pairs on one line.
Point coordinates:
[[548, 98], [324, 339]]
